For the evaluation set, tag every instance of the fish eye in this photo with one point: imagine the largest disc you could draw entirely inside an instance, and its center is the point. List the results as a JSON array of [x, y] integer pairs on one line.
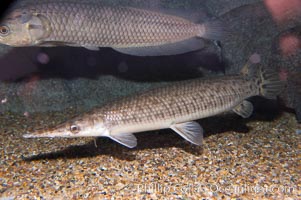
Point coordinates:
[[74, 129], [4, 30]]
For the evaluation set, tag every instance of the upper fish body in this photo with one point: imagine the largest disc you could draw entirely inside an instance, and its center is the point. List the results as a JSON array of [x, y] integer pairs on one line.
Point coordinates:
[[129, 30], [175, 106]]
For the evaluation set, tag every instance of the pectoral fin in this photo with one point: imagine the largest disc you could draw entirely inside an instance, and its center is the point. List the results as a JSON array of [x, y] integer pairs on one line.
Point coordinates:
[[126, 139], [245, 109], [191, 131]]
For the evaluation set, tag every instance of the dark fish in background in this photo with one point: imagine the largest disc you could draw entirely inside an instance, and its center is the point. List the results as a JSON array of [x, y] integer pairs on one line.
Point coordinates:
[[175, 106], [288, 61], [295, 84], [292, 93], [92, 25], [5, 4]]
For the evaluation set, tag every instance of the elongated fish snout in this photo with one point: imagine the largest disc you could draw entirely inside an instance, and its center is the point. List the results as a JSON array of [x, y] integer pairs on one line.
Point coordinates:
[[46, 134], [29, 135], [77, 127], [35, 135]]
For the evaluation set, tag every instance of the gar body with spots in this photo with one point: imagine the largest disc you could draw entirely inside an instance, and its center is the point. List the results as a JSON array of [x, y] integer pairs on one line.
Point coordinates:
[[92, 25], [175, 106]]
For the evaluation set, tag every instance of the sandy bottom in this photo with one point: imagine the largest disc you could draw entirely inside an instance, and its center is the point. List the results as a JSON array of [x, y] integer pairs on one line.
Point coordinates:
[[253, 158]]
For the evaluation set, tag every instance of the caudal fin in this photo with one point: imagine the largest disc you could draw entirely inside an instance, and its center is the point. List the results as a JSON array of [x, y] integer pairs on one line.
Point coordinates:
[[270, 84], [213, 30]]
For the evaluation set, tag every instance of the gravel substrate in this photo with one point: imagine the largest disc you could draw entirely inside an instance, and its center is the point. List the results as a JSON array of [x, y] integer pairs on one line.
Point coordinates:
[[255, 158]]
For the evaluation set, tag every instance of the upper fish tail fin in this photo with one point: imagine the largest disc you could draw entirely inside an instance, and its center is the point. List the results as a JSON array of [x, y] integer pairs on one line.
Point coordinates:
[[213, 30], [270, 85]]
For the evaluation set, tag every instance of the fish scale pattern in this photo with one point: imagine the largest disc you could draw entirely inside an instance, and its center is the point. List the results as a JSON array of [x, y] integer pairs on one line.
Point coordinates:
[[98, 25], [184, 101]]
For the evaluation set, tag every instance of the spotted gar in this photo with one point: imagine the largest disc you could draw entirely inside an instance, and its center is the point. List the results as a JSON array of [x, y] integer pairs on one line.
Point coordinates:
[[92, 25], [175, 106]]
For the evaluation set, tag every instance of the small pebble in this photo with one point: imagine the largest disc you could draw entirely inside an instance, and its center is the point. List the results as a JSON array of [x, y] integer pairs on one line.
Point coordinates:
[[3, 101], [26, 114]]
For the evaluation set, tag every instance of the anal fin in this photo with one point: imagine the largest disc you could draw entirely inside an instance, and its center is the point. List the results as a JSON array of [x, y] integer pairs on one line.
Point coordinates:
[[126, 139], [190, 131], [245, 109]]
